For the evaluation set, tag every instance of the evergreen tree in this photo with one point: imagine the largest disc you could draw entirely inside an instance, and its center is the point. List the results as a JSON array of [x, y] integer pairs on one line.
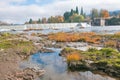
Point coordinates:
[[72, 12], [77, 11], [67, 15], [30, 21], [82, 13], [39, 21]]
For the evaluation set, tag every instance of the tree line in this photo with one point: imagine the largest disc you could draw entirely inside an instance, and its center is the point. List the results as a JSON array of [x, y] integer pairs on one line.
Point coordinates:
[[68, 16], [75, 16]]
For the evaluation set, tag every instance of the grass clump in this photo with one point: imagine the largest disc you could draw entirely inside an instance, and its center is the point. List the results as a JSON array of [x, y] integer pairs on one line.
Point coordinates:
[[6, 44]]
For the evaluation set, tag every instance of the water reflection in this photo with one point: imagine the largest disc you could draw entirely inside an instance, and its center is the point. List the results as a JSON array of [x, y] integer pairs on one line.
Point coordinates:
[[56, 68]]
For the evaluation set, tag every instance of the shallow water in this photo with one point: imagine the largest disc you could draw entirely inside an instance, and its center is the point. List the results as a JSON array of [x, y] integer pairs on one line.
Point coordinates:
[[100, 29], [56, 68]]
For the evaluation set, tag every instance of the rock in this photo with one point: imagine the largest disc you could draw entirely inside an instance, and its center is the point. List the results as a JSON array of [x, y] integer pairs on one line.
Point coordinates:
[[44, 50], [26, 74]]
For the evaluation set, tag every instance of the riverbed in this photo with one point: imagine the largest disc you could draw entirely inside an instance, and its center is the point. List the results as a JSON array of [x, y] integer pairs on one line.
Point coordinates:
[[56, 68]]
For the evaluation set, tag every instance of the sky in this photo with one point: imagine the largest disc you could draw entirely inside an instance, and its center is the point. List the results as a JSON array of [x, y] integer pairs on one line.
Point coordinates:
[[20, 11]]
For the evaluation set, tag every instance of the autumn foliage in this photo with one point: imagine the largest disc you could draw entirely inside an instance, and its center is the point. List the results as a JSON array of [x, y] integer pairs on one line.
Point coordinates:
[[73, 37], [73, 57], [104, 14], [56, 19]]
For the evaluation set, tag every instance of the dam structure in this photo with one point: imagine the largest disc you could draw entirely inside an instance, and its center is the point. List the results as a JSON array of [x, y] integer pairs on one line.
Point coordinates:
[[52, 26], [43, 26], [77, 27]]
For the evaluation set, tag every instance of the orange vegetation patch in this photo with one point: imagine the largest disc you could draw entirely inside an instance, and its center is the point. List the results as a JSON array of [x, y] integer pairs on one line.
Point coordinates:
[[90, 37], [73, 57]]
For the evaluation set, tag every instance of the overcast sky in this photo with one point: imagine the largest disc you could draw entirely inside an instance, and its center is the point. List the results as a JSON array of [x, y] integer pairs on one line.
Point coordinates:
[[19, 11]]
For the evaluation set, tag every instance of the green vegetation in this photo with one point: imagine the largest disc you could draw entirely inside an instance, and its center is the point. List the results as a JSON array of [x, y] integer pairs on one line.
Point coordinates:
[[94, 14], [114, 21], [104, 59], [78, 15], [7, 36], [30, 21], [74, 16], [7, 41], [82, 13], [39, 21], [94, 54], [22, 46]]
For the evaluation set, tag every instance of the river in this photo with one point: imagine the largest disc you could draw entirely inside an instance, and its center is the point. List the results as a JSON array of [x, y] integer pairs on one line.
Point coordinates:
[[56, 68], [97, 29]]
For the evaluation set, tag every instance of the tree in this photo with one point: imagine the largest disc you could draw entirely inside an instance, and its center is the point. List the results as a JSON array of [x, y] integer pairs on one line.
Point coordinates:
[[59, 19], [72, 12], [30, 21], [82, 13], [77, 11], [56, 19], [76, 18], [104, 14], [66, 16], [94, 13], [39, 21], [113, 21], [51, 19]]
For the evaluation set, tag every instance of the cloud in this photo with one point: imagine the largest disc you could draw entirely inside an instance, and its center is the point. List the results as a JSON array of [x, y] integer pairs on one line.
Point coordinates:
[[17, 13]]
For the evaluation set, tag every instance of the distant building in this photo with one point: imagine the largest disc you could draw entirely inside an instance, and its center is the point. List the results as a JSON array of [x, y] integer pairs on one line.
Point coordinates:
[[98, 22]]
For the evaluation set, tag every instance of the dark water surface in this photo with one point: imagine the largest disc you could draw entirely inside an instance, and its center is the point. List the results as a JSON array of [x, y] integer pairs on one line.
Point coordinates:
[[56, 68]]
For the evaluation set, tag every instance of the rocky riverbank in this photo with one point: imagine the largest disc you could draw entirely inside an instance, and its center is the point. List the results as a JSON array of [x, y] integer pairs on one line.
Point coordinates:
[[13, 50], [104, 60], [9, 66]]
